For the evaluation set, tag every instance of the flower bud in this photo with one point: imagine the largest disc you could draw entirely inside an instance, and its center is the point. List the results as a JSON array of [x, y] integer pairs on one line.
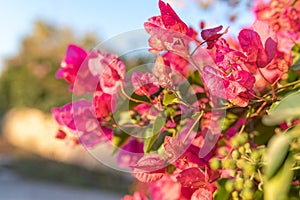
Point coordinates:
[[248, 183], [242, 150], [243, 138], [215, 164], [235, 155], [239, 183], [229, 186], [249, 170], [247, 194], [241, 163], [255, 155], [228, 164], [235, 195], [235, 142]]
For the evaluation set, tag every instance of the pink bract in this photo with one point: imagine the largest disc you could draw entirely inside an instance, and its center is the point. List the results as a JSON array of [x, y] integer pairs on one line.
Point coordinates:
[[71, 63], [130, 153], [259, 48], [109, 69], [79, 118], [211, 35], [168, 31], [144, 83], [103, 103]]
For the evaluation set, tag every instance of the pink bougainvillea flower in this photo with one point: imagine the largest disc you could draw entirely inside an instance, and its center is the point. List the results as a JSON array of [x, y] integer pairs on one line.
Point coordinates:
[[167, 31], [70, 65], [192, 177], [130, 153], [81, 121], [170, 19], [149, 168], [110, 70], [173, 148], [144, 83], [64, 115], [229, 59], [230, 79], [166, 188], [274, 60], [212, 35], [74, 70], [103, 103], [178, 64], [259, 48], [135, 196], [95, 136], [235, 86], [284, 18], [202, 194], [163, 72], [182, 156], [146, 112]]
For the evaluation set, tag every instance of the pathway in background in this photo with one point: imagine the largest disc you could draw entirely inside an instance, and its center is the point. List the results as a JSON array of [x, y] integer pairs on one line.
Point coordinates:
[[14, 187]]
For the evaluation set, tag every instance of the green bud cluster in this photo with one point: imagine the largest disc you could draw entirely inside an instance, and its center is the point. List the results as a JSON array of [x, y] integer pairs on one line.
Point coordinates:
[[246, 163]]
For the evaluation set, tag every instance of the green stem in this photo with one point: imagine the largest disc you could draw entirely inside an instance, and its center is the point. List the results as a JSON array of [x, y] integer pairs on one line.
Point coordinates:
[[193, 126], [132, 99]]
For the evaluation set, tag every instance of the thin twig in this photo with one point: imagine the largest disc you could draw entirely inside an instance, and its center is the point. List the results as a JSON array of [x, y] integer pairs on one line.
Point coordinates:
[[193, 126], [132, 99]]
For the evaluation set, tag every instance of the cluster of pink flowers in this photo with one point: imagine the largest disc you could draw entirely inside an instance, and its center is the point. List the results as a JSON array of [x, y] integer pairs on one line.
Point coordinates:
[[243, 69]]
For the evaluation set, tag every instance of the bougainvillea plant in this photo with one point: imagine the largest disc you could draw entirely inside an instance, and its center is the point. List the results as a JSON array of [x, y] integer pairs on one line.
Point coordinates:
[[212, 118]]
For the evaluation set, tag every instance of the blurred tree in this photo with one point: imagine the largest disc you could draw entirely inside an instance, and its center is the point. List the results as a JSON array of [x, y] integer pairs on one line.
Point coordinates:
[[29, 77]]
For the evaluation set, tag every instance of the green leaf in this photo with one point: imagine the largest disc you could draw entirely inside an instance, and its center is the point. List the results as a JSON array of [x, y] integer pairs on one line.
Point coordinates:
[[277, 151], [195, 78], [293, 132], [277, 188], [119, 138], [160, 140], [222, 193], [153, 133], [159, 122], [286, 110], [292, 76], [229, 120], [296, 56], [262, 133], [169, 98]]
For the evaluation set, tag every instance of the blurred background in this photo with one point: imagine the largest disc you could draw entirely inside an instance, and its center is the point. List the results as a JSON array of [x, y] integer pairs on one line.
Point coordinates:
[[33, 39]]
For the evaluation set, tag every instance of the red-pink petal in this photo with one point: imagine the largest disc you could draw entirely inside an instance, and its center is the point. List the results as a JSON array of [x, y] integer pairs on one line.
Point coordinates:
[[192, 177], [202, 194]]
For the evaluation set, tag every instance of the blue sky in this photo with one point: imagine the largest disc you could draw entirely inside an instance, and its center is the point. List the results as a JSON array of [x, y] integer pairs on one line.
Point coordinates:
[[106, 18]]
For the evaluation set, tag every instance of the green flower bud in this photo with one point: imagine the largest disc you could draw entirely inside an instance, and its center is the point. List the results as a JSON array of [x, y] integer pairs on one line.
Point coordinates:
[[229, 186], [248, 183], [247, 194], [235, 154], [215, 164], [255, 155], [247, 148], [241, 163], [235, 195], [224, 152], [234, 142], [243, 138], [239, 184], [242, 150], [233, 173], [228, 164], [249, 170]]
